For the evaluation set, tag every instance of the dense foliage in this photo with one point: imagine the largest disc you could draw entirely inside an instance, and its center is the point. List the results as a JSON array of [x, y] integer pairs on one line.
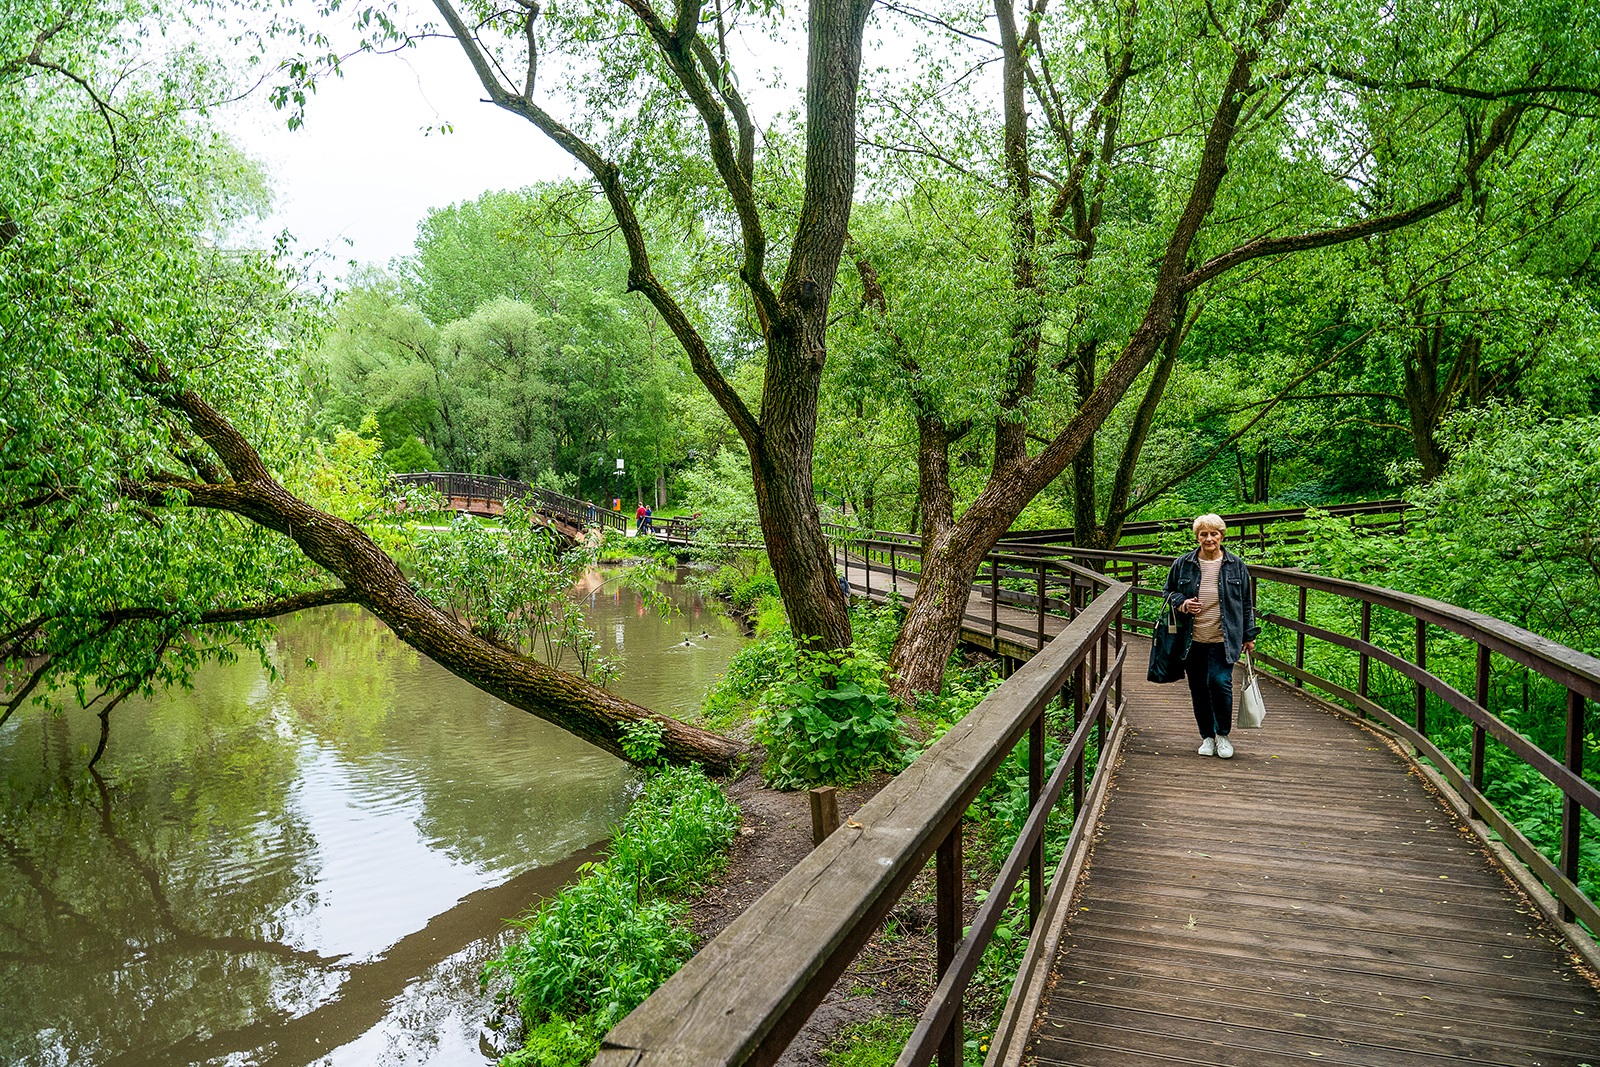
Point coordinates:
[[589, 956], [503, 345]]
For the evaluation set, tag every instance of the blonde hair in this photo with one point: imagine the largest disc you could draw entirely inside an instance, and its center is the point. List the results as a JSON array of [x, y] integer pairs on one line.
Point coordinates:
[[1210, 522]]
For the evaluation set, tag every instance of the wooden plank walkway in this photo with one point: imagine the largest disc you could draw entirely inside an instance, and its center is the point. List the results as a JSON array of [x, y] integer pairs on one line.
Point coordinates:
[[1018, 635], [1307, 901]]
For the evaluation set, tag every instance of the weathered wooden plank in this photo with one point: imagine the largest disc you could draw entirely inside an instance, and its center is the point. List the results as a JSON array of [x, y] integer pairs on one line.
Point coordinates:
[[1281, 1009], [1307, 899]]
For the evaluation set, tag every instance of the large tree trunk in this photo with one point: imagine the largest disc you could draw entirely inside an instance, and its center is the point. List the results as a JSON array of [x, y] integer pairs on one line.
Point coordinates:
[[1427, 398], [375, 581], [791, 524]]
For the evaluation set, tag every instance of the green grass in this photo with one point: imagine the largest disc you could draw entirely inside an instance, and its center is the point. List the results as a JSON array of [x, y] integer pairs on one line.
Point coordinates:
[[874, 1042]]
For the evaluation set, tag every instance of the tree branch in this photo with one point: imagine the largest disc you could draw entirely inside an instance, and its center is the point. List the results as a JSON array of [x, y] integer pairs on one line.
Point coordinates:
[[1499, 132]]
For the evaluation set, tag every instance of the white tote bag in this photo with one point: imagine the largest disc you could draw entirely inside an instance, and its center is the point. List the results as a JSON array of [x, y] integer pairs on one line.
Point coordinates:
[[1252, 709]]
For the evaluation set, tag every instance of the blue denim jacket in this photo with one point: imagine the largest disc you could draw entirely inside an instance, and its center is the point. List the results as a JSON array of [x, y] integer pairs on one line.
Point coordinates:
[[1233, 593]]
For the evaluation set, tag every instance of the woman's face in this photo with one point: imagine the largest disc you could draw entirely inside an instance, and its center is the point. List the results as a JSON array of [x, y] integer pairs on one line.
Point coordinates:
[[1210, 540]]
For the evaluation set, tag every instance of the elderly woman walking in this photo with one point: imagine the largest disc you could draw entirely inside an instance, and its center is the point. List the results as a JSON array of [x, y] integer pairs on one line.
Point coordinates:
[[1213, 586]]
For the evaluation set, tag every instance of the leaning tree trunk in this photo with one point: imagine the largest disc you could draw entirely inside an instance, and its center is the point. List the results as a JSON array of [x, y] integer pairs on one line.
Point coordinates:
[[932, 625], [375, 581]]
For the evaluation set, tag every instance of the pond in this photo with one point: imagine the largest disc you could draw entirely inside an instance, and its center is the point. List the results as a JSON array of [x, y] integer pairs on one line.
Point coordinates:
[[306, 869]]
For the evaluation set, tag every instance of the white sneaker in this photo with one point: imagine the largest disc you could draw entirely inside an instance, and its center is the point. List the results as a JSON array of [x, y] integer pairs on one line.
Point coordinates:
[[1224, 748], [1208, 747]]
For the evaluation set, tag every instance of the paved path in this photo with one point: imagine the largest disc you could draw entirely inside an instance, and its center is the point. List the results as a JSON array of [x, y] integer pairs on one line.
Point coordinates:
[[1308, 901]]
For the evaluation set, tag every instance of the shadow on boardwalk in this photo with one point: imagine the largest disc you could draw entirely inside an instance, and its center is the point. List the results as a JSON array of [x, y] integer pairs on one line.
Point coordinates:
[[1310, 900]]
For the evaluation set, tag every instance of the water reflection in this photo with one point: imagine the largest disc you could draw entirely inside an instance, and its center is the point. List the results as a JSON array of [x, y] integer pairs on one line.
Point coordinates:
[[307, 868]]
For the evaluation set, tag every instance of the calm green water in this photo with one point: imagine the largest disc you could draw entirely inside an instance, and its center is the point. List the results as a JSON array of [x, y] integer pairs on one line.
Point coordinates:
[[307, 869]]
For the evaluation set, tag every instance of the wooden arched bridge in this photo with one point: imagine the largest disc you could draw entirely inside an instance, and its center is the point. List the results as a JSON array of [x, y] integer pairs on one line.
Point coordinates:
[[1387, 873], [486, 495]]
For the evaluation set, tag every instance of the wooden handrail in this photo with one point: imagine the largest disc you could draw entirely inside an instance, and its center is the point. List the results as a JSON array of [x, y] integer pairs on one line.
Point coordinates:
[[1575, 672], [745, 995]]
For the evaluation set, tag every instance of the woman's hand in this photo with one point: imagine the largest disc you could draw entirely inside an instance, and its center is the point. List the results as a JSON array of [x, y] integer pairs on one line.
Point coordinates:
[[1250, 646], [1190, 606]]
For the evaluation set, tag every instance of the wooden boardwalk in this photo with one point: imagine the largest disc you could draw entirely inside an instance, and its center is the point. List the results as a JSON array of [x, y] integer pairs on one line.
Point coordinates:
[[1018, 637], [1309, 900]]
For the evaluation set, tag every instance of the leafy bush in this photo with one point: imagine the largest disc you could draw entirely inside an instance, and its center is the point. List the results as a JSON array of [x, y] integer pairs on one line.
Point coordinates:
[[590, 955], [757, 586], [595, 949], [559, 1042], [770, 617], [642, 741], [752, 669], [830, 718], [672, 838]]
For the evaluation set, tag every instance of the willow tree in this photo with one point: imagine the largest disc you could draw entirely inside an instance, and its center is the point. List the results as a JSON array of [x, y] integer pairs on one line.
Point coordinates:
[[1147, 159], [157, 501]]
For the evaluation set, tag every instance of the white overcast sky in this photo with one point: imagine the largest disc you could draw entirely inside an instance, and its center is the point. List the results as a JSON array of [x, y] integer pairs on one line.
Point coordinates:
[[363, 170]]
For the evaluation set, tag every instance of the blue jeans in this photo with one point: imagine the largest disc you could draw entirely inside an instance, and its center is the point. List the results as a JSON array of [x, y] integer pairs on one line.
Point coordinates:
[[1211, 687]]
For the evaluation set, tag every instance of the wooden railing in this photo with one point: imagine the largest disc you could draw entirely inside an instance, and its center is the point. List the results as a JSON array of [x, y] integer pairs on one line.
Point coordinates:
[[491, 489], [744, 996], [1279, 526], [1341, 665], [1039, 585]]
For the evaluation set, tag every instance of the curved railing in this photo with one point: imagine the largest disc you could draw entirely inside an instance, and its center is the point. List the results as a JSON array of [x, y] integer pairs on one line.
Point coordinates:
[[745, 995], [1336, 635], [491, 490], [1275, 526]]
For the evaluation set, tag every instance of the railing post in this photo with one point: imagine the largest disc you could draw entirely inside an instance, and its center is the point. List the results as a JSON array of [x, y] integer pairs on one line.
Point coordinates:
[[1040, 566], [1035, 788], [994, 601], [1366, 639], [1077, 767], [948, 903], [866, 563], [1135, 594], [1481, 695], [894, 572], [1300, 639], [1422, 691], [1570, 824]]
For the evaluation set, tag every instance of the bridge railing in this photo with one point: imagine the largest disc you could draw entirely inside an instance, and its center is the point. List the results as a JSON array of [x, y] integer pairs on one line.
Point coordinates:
[[493, 490], [1257, 529], [1344, 634], [744, 996], [1040, 586]]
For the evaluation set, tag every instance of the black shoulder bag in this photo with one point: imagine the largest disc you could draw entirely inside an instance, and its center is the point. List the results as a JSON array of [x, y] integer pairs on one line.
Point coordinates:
[[1168, 645]]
